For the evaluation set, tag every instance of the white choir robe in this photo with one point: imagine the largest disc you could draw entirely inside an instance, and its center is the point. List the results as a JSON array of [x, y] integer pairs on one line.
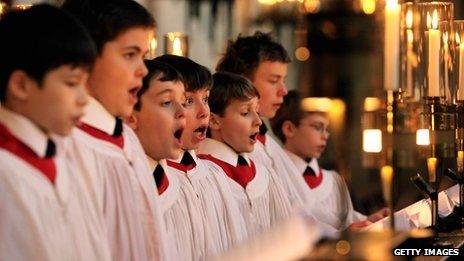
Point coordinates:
[[219, 208], [332, 192], [273, 157], [263, 202], [123, 186], [41, 220], [181, 209]]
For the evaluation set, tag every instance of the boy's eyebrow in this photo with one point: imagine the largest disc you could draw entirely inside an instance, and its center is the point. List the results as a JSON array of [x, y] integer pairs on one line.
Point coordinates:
[[133, 47], [164, 91]]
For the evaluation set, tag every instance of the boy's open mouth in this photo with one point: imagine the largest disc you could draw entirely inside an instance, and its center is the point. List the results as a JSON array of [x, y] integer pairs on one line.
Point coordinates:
[[178, 133], [254, 136], [201, 130]]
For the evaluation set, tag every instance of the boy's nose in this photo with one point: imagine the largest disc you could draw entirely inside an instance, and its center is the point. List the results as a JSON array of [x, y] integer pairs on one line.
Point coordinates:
[[142, 70], [282, 90], [180, 111], [204, 112]]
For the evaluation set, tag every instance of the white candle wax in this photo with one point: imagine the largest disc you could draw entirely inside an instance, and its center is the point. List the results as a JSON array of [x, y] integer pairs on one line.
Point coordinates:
[[392, 45]]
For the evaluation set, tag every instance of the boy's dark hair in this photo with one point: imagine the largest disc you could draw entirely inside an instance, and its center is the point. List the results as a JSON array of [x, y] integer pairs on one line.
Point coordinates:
[[107, 19], [290, 110], [156, 70], [40, 39], [196, 76], [244, 55], [228, 87]]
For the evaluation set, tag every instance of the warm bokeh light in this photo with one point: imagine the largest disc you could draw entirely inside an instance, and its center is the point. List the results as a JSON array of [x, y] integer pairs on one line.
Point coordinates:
[[372, 140], [409, 19], [368, 6], [391, 3], [432, 20], [386, 176], [302, 53], [422, 137], [372, 104], [312, 6]]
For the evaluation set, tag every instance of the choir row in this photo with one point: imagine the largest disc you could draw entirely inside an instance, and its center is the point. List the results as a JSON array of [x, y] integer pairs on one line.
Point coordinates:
[[105, 156]]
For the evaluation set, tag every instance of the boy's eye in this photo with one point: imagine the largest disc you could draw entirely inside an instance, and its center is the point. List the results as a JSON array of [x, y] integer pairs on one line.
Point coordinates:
[[129, 55], [167, 103], [244, 113], [188, 101], [206, 99], [72, 84]]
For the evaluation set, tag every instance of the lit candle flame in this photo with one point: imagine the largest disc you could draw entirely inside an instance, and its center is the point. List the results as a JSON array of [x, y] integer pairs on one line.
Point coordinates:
[[176, 47], [458, 39], [409, 19], [423, 137], [432, 21], [392, 3], [432, 168]]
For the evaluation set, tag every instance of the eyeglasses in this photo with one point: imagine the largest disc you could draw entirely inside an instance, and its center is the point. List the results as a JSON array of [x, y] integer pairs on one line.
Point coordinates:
[[320, 128]]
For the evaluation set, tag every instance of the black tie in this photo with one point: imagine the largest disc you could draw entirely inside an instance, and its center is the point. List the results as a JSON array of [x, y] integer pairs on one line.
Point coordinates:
[[118, 128], [51, 149], [158, 175], [187, 159], [309, 172], [241, 161], [262, 129]]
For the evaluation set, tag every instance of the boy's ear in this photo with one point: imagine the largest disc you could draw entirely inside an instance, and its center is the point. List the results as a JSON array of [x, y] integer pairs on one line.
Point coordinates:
[[20, 84], [214, 122], [132, 121], [288, 129]]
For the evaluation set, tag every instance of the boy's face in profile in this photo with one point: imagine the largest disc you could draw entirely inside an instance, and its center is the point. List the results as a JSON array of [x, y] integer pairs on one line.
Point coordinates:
[[118, 71], [160, 122], [269, 80], [309, 139], [239, 126], [197, 118], [58, 103]]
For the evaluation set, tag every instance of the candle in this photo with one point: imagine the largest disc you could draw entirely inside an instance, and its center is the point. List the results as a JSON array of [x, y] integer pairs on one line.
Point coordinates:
[[432, 167], [461, 70], [392, 45], [386, 174], [433, 70], [460, 161], [409, 53]]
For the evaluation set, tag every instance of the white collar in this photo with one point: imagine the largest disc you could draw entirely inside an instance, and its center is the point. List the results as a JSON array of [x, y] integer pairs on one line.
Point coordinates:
[[315, 166], [153, 163], [98, 117], [221, 151], [192, 153], [301, 164], [25, 131]]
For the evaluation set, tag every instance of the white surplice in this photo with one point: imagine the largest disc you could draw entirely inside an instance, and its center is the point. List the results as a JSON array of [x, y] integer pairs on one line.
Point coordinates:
[[263, 202], [123, 186], [273, 157], [332, 192], [41, 219], [183, 219], [219, 208]]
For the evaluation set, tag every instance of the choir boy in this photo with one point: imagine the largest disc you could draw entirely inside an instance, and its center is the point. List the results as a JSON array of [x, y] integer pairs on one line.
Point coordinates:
[[108, 151], [159, 121], [264, 62], [218, 208], [234, 127], [304, 135], [46, 210]]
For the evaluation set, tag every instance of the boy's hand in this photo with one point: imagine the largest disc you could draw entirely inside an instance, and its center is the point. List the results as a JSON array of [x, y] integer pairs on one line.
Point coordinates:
[[358, 225], [379, 215]]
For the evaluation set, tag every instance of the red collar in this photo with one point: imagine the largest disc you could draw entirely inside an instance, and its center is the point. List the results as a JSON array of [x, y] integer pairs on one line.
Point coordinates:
[[240, 174], [16, 147], [101, 135], [313, 181]]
